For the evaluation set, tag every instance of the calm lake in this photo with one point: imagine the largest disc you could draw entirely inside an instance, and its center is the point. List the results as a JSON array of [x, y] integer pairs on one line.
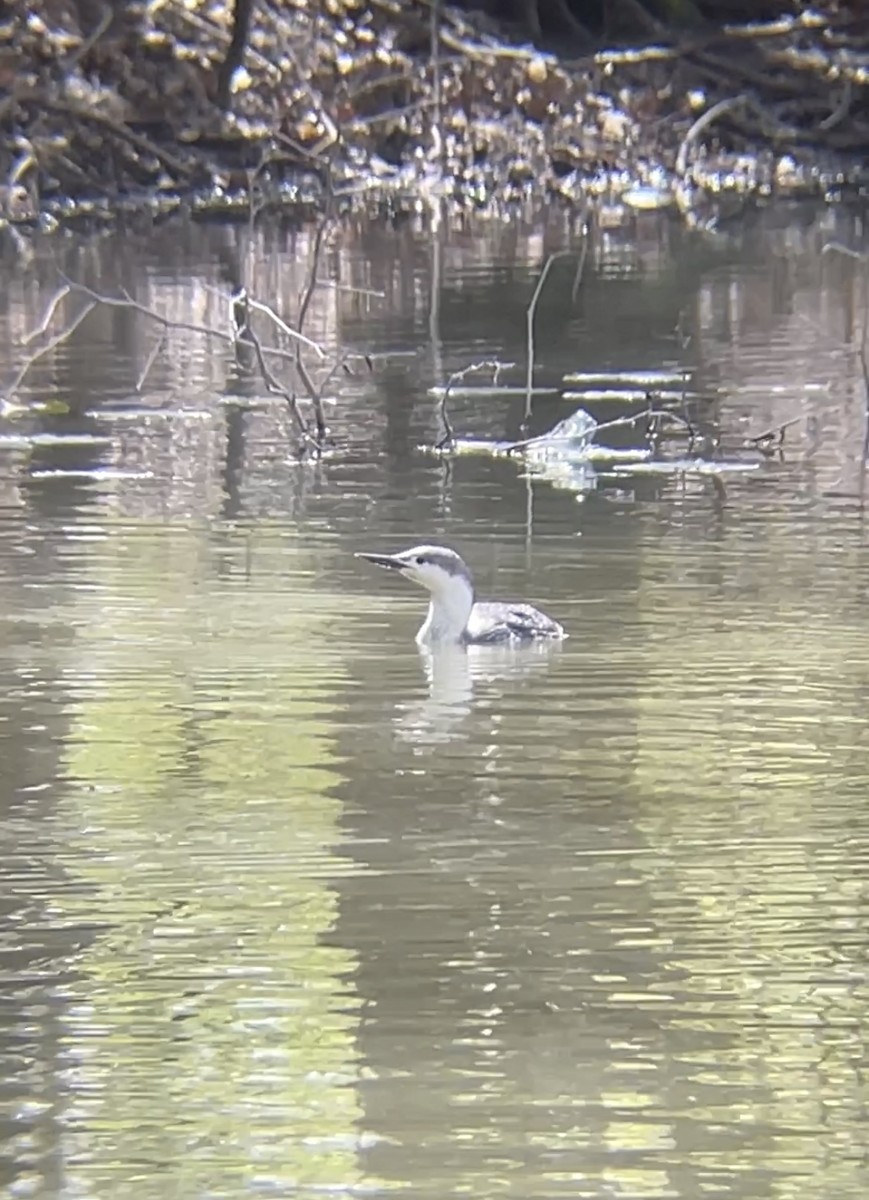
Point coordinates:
[[288, 908]]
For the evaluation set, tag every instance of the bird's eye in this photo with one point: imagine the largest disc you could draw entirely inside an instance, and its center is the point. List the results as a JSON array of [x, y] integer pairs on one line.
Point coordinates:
[[420, 560]]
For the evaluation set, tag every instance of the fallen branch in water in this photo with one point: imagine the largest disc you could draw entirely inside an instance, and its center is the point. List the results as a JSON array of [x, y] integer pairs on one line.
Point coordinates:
[[496, 367], [127, 301], [771, 439], [449, 437], [649, 414], [239, 334]]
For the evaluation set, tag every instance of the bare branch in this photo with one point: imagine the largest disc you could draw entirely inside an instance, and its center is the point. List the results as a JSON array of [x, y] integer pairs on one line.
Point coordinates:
[[50, 345], [106, 17], [126, 301], [580, 267], [530, 315], [277, 389], [295, 334], [316, 396], [315, 393], [71, 108], [350, 289], [488, 364], [56, 299], [312, 276], [839, 248], [152, 358], [703, 122], [647, 414]]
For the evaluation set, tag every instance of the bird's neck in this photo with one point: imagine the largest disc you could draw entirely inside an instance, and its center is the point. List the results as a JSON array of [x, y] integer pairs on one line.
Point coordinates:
[[448, 614]]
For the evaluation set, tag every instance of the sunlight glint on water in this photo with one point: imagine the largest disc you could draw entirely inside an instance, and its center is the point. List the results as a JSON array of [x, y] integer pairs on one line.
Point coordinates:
[[289, 908]]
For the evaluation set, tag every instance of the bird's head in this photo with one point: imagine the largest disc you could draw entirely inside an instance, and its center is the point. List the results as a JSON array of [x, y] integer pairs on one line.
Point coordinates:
[[435, 568]]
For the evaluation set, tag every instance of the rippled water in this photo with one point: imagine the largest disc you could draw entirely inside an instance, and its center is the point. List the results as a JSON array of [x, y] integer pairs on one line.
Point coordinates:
[[287, 908]]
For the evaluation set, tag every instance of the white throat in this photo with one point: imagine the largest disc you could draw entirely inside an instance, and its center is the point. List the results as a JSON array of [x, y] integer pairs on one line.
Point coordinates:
[[448, 613]]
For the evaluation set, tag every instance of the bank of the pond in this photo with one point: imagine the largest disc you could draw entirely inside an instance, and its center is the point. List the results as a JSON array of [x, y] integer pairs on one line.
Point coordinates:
[[139, 106]]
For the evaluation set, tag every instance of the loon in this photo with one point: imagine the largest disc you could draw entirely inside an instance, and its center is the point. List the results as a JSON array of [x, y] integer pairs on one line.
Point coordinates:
[[453, 616]]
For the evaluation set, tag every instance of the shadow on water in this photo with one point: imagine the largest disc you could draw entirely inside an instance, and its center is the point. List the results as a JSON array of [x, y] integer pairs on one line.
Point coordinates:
[[288, 906]]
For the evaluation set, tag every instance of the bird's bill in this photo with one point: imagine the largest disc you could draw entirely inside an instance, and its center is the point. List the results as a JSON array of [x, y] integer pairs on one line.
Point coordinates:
[[390, 561]]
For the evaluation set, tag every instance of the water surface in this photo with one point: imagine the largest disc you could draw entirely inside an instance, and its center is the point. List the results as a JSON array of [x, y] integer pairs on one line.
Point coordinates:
[[288, 907]]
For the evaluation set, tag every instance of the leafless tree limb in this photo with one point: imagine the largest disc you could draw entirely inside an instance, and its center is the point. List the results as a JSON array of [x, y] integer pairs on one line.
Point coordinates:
[[308, 293], [703, 122], [240, 333], [152, 358], [50, 310], [530, 315], [277, 389], [647, 414], [51, 344], [315, 393], [488, 364], [295, 334], [127, 301]]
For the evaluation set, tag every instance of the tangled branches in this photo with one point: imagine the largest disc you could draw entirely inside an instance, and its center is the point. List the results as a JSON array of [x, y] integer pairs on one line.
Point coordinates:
[[155, 104], [289, 363]]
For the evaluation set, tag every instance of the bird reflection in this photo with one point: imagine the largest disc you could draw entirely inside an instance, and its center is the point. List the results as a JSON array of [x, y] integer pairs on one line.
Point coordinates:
[[458, 680]]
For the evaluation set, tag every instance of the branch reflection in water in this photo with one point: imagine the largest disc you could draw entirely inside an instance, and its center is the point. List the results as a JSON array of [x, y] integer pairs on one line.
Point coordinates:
[[462, 679]]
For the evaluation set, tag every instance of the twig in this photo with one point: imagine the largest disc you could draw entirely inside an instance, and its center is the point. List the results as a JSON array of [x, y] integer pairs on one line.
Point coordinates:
[[67, 108], [58, 296], [106, 18], [126, 301], [651, 414], [842, 108], [234, 56], [486, 54], [277, 389], [315, 393], [703, 122], [530, 314], [50, 345], [488, 364], [295, 334], [618, 422], [350, 289], [580, 267], [242, 300], [312, 275], [152, 358], [767, 435], [839, 248], [435, 54]]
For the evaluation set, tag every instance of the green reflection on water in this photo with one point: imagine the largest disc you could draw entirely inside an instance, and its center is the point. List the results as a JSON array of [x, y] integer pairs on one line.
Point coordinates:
[[210, 1032]]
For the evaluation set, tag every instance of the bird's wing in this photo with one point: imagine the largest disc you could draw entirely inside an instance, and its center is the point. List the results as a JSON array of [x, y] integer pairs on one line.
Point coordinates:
[[492, 622]]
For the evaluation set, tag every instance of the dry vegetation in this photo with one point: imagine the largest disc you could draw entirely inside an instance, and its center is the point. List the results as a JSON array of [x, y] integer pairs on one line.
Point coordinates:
[[155, 105]]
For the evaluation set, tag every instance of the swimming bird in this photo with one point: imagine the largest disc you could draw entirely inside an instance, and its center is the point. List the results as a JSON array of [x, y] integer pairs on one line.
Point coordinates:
[[454, 616]]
